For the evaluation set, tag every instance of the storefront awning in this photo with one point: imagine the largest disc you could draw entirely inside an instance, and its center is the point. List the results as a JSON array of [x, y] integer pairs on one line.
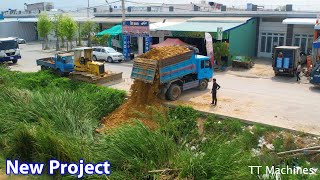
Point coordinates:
[[114, 31], [300, 21], [317, 27], [200, 26]]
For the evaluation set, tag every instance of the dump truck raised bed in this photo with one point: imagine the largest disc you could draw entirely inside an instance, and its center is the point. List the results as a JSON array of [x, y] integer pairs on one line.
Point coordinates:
[[62, 64], [286, 60], [175, 74]]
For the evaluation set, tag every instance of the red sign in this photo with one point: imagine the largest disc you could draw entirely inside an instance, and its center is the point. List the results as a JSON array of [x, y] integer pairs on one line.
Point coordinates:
[[136, 28]]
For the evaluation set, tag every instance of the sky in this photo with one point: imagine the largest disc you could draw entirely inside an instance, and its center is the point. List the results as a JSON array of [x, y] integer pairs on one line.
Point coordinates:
[[313, 5]]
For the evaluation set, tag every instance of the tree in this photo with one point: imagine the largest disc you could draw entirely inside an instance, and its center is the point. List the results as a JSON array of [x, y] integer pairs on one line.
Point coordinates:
[[89, 28], [69, 29], [103, 40], [44, 26], [221, 49], [58, 29]]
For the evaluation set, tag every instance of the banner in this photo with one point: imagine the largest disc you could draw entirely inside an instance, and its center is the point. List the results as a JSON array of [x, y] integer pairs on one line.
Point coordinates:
[[147, 43], [136, 28], [209, 47], [126, 46]]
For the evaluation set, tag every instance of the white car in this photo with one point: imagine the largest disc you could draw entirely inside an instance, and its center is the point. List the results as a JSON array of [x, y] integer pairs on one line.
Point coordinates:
[[107, 54], [19, 40]]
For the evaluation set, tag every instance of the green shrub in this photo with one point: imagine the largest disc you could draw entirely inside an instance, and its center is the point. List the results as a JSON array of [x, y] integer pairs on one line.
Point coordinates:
[[135, 150], [182, 123], [217, 159], [228, 126]]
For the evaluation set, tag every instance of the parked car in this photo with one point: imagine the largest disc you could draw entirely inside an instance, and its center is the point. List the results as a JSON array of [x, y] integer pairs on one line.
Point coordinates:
[[19, 40], [107, 54]]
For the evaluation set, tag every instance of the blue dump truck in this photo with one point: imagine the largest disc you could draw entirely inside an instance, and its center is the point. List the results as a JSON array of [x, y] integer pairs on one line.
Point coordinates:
[[315, 75], [285, 60], [62, 64], [176, 74]]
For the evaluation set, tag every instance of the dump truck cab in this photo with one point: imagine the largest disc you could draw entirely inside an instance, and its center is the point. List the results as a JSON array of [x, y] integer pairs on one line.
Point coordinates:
[[64, 62], [204, 69]]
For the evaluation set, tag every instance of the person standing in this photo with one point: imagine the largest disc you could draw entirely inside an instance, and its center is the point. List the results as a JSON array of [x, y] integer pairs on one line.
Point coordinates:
[[215, 87], [299, 68]]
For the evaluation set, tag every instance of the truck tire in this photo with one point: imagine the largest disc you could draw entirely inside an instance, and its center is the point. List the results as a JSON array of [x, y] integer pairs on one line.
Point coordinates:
[[203, 85], [173, 92], [43, 68], [14, 61]]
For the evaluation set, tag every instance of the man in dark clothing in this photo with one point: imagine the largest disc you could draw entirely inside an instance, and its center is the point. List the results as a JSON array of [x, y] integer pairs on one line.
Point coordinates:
[[215, 87]]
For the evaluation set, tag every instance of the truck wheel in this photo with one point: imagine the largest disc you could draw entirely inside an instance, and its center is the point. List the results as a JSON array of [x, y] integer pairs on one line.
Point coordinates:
[[14, 61], [43, 68], [203, 85], [173, 92]]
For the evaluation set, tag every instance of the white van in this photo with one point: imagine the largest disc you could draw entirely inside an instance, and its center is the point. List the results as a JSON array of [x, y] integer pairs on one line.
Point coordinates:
[[9, 50]]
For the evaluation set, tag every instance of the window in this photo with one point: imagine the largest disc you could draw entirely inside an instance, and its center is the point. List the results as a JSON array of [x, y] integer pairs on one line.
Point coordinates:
[[270, 40], [205, 64], [304, 41], [103, 50], [263, 44]]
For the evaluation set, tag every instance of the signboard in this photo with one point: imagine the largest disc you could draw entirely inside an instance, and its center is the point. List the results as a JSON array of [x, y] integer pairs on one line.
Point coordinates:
[[209, 47], [126, 46], [147, 43], [136, 28], [219, 33]]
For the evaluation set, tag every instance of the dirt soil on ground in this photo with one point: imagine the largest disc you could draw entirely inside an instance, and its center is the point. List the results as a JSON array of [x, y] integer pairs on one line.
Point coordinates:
[[143, 95]]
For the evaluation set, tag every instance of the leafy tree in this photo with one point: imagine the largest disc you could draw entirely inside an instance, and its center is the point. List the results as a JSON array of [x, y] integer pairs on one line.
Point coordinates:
[[221, 49], [69, 29], [89, 28], [103, 40], [58, 29], [44, 26]]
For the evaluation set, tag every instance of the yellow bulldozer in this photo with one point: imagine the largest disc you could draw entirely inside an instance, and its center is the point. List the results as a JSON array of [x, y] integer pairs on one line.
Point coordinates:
[[86, 69]]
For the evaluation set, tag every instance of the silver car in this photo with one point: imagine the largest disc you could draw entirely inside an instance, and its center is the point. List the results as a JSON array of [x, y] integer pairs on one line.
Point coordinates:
[[19, 40], [107, 54]]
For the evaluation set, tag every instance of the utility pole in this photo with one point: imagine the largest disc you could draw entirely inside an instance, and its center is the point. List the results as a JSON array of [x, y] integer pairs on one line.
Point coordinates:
[[123, 10], [88, 9]]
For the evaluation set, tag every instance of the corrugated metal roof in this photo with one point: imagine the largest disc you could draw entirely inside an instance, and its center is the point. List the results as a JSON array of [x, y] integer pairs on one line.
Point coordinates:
[[300, 21], [199, 26], [220, 19], [116, 20]]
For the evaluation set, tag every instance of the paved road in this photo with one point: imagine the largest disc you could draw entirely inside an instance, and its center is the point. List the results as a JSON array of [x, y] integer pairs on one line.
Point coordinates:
[[276, 101]]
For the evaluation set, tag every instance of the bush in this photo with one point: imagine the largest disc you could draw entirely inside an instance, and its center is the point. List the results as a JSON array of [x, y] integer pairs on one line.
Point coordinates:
[[228, 126], [182, 123], [136, 150]]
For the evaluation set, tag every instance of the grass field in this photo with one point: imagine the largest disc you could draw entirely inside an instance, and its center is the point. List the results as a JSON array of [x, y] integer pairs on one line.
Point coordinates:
[[44, 117]]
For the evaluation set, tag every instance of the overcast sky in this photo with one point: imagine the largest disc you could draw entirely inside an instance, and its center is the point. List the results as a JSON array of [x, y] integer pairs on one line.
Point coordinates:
[[313, 5]]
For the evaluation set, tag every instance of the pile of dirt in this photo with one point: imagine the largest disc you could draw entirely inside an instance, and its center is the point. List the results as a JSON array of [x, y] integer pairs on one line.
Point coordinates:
[[160, 53], [142, 94]]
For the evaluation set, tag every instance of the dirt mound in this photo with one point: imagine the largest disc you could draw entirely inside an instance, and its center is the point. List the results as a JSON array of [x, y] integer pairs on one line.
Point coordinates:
[[160, 53], [143, 94]]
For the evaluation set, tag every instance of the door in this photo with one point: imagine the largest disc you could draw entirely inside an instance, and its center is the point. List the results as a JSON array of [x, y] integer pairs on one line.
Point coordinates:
[[205, 70], [304, 41]]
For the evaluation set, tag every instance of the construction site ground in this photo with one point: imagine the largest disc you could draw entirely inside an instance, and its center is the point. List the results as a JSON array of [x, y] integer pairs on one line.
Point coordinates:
[[254, 95]]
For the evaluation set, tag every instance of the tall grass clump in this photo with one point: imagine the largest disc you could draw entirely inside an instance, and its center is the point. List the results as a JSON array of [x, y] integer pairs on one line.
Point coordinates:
[[216, 159], [136, 150]]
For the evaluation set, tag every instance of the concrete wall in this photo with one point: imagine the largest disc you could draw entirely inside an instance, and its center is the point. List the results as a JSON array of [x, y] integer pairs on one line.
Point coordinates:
[[242, 39], [26, 31]]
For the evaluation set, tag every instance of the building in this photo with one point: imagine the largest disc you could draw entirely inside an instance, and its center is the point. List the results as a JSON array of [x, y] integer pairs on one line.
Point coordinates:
[[39, 7]]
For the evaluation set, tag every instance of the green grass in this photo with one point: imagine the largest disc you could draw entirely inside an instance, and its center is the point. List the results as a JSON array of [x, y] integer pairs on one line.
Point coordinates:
[[43, 116]]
